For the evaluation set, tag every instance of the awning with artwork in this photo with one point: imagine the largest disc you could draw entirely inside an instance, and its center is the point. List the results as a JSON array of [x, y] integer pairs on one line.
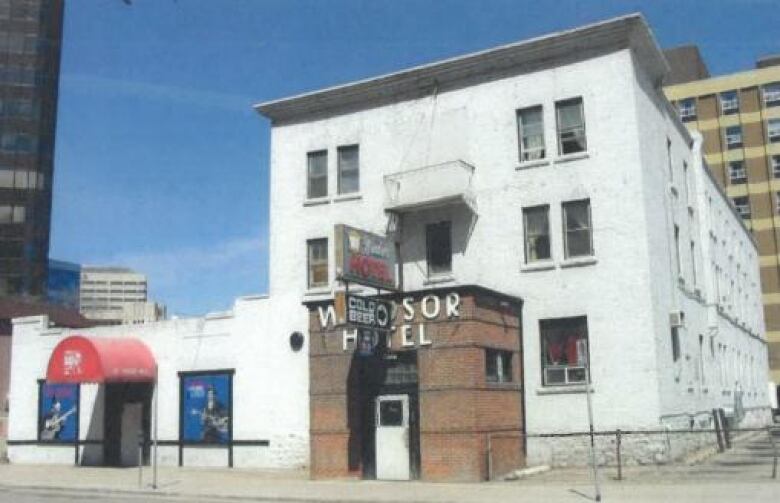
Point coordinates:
[[79, 359]]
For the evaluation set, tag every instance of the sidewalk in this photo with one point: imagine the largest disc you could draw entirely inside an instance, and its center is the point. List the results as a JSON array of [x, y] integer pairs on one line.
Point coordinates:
[[253, 485]]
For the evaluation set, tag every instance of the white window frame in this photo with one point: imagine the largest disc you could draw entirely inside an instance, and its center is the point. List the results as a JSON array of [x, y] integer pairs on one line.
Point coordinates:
[[527, 237], [773, 130], [771, 94], [565, 370], [777, 203], [566, 230], [687, 108], [310, 157], [729, 105], [340, 169], [733, 139], [560, 132], [310, 264], [530, 154], [737, 172], [742, 209]]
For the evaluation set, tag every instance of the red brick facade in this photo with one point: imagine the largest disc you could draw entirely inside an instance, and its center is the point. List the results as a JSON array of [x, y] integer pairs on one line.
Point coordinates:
[[464, 427]]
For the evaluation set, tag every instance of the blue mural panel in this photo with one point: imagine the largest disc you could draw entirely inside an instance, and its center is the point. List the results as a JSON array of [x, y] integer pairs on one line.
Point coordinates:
[[206, 408], [58, 413]]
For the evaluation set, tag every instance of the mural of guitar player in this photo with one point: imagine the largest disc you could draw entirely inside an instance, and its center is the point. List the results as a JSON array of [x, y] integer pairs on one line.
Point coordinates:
[[207, 409], [58, 412]]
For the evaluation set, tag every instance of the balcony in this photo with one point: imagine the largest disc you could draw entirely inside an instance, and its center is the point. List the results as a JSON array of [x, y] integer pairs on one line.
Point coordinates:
[[430, 186]]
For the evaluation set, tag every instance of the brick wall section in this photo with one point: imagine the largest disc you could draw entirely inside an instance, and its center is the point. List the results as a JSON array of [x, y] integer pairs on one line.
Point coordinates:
[[460, 412]]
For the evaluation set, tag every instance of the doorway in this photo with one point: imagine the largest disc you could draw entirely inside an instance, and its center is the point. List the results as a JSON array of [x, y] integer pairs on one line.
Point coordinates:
[[392, 437], [126, 422]]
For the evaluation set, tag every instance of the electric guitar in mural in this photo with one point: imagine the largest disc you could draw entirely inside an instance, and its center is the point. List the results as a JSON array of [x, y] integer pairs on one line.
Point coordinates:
[[53, 425]]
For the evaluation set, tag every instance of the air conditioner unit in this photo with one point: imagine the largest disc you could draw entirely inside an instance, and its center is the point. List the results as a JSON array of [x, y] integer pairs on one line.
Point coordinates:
[[676, 318]]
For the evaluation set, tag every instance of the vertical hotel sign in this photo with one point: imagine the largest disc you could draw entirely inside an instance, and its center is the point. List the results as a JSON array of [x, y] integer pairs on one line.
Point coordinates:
[[364, 258]]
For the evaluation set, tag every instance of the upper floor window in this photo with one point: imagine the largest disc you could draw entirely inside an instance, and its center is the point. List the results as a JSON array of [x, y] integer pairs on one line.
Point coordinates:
[[564, 350], [536, 223], [729, 102], [571, 126], [742, 205], [317, 250], [773, 130], [687, 109], [771, 94], [737, 172], [12, 214], [349, 169], [438, 240], [578, 232], [733, 137], [775, 160], [777, 202], [530, 130], [317, 174]]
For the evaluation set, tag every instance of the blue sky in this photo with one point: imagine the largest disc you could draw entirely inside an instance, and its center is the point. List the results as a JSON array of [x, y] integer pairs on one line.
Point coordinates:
[[162, 165]]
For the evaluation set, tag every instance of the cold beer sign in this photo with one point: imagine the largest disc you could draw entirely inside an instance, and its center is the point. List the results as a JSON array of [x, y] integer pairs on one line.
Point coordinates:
[[363, 312], [364, 258]]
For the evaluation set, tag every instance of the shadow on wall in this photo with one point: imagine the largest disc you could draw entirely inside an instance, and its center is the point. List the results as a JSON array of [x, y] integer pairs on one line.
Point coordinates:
[[92, 455], [415, 247]]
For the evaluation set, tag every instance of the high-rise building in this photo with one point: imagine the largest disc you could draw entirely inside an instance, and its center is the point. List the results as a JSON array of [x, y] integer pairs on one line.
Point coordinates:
[[739, 117], [116, 295], [30, 42]]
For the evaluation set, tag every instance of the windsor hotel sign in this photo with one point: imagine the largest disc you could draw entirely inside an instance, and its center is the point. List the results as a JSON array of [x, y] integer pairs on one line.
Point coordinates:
[[365, 258], [403, 319]]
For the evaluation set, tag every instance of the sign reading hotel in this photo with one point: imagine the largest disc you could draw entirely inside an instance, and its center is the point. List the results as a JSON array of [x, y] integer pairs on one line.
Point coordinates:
[[365, 258]]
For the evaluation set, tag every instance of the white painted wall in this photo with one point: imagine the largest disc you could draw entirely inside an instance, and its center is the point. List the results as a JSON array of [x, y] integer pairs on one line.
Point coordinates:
[[270, 385]]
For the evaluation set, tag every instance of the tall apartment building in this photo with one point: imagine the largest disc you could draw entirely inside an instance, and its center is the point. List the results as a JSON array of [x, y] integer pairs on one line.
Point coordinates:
[[30, 42], [739, 117], [116, 295]]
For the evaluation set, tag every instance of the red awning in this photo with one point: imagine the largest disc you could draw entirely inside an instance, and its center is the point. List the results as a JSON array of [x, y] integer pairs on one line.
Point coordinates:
[[79, 359]]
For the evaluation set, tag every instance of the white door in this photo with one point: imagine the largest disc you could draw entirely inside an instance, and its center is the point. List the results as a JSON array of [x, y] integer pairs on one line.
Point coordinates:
[[131, 425], [392, 437]]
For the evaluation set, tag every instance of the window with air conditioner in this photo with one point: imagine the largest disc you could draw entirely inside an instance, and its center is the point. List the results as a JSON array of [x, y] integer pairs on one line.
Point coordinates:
[[564, 351], [687, 109], [530, 131], [729, 102], [771, 93], [773, 130], [737, 173], [571, 126], [733, 137]]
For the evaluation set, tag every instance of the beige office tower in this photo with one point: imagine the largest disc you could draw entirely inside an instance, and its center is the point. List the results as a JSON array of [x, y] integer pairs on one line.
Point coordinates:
[[116, 295], [739, 116]]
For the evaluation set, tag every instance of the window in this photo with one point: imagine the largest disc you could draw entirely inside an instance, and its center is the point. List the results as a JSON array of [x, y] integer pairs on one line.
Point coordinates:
[[687, 109], [498, 365], [742, 205], [571, 126], [317, 174], [677, 249], [530, 130], [318, 262], [775, 160], [729, 102], [537, 233], [773, 130], [564, 350], [737, 172], [349, 169], [675, 344], [693, 263], [12, 214], [577, 235], [771, 94], [733, 137], [438, 241], [777, 203]]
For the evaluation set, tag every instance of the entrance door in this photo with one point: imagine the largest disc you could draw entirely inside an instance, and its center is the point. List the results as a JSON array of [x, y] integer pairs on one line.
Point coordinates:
[[392, 437]]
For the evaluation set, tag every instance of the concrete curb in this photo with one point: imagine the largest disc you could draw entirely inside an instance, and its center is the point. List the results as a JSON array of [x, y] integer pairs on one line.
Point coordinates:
[[527, 472], [189, 496]]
